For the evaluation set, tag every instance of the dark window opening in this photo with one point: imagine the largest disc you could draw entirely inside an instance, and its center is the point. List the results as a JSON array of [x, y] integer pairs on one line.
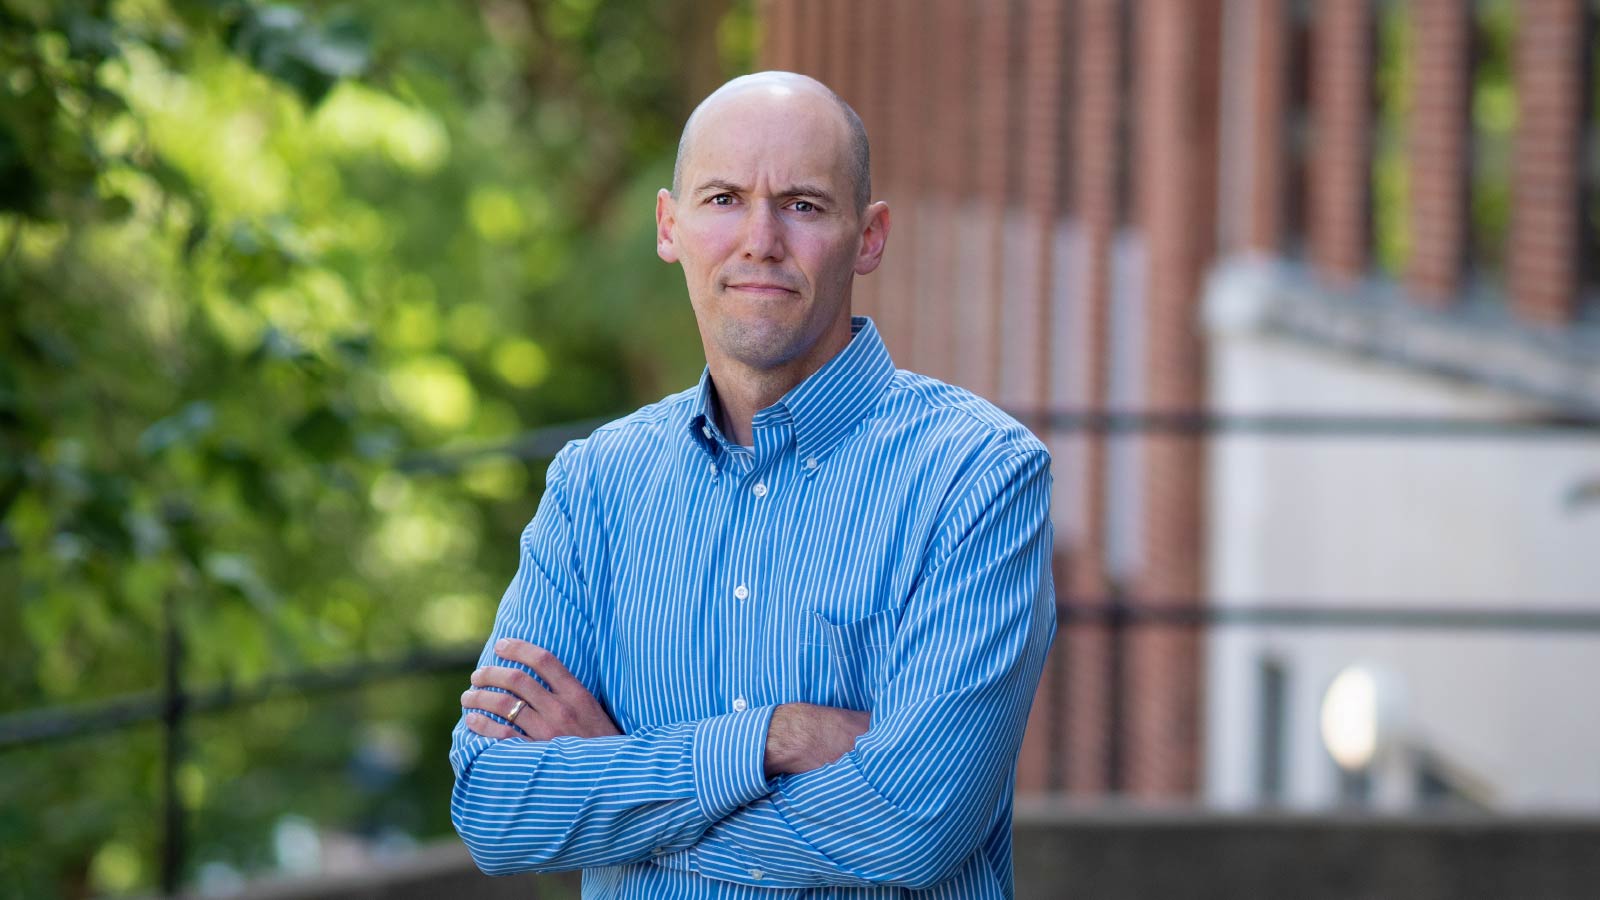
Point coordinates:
[[1272, 734]]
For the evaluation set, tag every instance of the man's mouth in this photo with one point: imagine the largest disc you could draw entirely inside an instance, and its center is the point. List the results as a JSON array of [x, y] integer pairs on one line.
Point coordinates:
[[760, 287]]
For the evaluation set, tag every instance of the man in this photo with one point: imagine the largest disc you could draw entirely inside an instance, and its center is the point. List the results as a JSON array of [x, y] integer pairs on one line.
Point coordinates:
[[786, 625]]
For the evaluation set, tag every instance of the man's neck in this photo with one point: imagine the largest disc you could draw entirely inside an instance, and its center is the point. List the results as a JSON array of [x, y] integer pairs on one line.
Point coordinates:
[[740, 398], [743, 391]]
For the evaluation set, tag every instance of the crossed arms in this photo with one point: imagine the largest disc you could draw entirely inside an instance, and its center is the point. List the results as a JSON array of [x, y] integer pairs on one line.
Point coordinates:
[[800, 737], [745, 797]]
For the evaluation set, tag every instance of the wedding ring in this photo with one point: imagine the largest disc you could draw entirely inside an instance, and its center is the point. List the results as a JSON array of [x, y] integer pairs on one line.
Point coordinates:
[[512, 718]]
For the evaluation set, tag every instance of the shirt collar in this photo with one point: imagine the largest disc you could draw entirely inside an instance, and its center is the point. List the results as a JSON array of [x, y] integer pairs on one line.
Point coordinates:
[[824, 407]]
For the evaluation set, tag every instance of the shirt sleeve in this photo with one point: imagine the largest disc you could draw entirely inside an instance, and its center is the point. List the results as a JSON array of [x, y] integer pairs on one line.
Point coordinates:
[[911, 803], [523, 805]]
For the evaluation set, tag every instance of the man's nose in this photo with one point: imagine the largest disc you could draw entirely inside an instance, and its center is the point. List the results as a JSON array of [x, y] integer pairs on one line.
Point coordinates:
[[763, 233]]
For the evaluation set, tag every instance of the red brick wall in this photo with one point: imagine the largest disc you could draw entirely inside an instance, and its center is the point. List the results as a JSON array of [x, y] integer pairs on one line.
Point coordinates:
[[1438, 152], [1265, 176], [1543, 258], [1177, 163], [1341, 99], [964, 103], [1036, 189], [974, 109], [1085, 647]]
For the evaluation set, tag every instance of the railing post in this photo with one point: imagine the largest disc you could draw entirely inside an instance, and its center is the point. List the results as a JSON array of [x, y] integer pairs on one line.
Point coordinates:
[[173, 709]]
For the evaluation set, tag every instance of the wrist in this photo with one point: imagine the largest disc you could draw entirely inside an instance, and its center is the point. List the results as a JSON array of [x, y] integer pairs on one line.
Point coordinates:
[[779, 756]]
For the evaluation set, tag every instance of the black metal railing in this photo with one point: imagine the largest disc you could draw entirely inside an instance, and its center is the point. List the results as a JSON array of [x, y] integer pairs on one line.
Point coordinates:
[[174, 702]]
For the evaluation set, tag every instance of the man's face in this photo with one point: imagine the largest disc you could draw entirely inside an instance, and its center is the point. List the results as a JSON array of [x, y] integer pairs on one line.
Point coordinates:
[[766, 229]]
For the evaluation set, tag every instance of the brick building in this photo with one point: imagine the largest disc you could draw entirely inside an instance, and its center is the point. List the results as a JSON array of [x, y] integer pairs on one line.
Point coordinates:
[[1229, 206]]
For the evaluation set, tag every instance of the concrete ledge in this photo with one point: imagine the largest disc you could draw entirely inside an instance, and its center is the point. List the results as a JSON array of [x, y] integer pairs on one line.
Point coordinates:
[[1112, 854], [444, 869], [1477, 341], [1123, 854]]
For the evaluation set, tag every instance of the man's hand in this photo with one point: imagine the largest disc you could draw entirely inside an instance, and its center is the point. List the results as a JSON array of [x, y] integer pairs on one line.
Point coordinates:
[[804, 736], [565, 709]]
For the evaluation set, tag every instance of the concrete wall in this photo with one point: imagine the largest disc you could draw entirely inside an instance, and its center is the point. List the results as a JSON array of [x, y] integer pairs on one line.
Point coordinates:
[[1455, 523], [1112, 856], [1203, 856]]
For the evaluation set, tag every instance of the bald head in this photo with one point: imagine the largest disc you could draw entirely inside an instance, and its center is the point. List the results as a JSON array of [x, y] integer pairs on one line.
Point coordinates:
[[778, 86]]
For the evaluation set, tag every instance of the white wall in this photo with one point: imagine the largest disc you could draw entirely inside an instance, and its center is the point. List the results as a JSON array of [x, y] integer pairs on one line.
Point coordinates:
[[1460, 522]]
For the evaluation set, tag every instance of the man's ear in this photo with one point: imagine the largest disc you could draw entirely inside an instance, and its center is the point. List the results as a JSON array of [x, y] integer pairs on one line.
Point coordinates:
[[665, 223], [874, 235]]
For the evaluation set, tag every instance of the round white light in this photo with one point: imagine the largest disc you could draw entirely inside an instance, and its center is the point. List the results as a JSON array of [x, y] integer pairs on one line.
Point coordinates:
[[1351, 718]]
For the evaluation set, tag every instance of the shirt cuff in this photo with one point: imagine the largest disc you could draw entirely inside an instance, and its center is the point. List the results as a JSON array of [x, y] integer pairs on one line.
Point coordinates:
[[730, 754]]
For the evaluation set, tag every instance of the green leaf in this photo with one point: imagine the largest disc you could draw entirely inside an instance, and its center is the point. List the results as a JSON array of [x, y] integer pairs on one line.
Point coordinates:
[[195, 236], [21, 189], [356, 349], [91, 38], [184, 427], [323, 433], [239, 573], [50, 346], [279, 41], [115, 208], [280, 345]]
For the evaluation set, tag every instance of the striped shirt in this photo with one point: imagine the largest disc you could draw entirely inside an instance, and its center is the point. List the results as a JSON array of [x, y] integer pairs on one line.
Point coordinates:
[[884, 545]]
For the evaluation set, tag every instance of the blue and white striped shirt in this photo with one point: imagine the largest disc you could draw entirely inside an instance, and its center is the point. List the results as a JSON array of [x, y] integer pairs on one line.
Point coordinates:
[[884, 546]]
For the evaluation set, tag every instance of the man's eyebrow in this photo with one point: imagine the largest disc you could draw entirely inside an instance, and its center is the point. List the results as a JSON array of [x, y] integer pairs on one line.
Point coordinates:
[[807, 190], [719, 185], [798, 190]]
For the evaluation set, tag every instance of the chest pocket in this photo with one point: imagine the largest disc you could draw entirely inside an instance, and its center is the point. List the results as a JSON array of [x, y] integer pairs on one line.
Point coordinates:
[[858, 656]]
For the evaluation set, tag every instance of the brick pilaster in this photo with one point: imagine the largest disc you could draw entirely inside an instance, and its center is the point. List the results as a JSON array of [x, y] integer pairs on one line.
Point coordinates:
[[947, 132], [1041, 136], [1178, 108], [1341, 101], [900, 169], [1543, 256], [1437, 144], [1265, 177], [1098, 57], [994, 136]]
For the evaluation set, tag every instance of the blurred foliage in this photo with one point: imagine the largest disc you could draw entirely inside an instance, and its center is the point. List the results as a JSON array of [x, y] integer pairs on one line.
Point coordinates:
[[251, 256], [1391, 188], [1494, 122], [1493, 111]]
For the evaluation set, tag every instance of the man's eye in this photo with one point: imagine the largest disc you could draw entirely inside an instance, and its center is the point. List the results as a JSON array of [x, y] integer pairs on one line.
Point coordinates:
[[804, 206], [722, 200]]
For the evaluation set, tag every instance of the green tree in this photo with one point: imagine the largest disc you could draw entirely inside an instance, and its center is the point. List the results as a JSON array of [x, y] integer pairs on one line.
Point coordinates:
[[254, 259]]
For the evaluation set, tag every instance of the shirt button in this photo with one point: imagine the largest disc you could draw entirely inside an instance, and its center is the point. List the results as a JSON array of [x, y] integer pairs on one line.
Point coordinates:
[[706, 430], [760, 490], [741, 592], [811, 463], [757, 874], [660, 851], [739, 705], [713, 468]]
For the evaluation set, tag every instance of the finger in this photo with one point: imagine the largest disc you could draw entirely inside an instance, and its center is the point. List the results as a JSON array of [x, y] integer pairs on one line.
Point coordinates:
[[543, 663], [489, 728], [506, 678], [495, 702]]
